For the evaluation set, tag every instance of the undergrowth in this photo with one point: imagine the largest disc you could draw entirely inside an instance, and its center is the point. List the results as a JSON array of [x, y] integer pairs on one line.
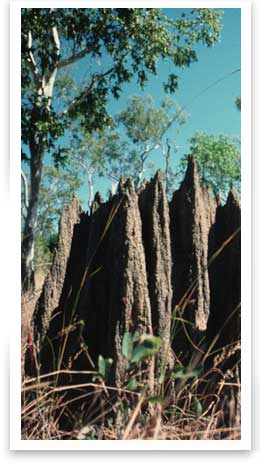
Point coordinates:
[[189, 402]]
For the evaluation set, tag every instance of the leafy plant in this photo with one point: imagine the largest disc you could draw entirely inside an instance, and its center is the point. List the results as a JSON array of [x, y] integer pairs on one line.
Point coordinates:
[[104, 368], [147, 346], [127, 346], [182, 372], [137, 348]]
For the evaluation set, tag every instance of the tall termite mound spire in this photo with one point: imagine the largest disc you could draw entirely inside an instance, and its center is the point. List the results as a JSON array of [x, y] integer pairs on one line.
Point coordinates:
[[225, 273], [117, 298], [54, 282], [192, 214], [155, 217]]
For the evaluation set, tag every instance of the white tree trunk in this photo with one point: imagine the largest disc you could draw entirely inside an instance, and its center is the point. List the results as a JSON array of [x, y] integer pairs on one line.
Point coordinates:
[[28, 278], [37, 148]]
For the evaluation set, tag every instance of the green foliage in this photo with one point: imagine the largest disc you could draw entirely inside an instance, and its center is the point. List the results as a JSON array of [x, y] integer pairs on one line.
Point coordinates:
[[43, 254], [218, 161], [238, 103], [97, 150], [134, 39], [148, 346], [142, 121], [146, 127], [197, 406], [157, 399], [132, 384], [184, 373], [56, 190], [136, 348], [104, 367], [127, 346], [110, 154], [65, 85]]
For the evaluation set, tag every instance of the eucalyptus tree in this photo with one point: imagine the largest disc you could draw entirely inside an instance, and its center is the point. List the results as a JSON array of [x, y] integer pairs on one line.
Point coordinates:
[[124, 147], [218, 161], [146, 126], [114, 46], [98, 154], [56, 190]]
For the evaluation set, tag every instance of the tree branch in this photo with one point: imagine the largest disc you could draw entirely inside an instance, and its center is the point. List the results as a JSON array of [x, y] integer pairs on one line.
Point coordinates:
[[167, 165], [76, 101], [90, 173], [56, 39], [75, 57], [143, 158], [113, 177]]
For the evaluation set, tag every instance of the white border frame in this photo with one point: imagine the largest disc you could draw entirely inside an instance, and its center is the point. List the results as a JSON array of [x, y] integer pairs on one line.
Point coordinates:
[[15, 147]]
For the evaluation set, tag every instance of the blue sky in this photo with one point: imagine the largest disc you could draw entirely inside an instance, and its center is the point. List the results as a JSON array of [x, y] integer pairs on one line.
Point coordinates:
[[213, 111]]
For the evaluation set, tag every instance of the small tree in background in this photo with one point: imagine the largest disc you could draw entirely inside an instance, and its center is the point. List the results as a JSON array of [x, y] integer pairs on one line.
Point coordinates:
[[56, 190], [111, 153], [146, 128], [218, 161]]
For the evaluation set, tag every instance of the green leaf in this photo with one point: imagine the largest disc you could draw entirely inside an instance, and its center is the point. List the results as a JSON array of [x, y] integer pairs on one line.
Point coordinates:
[[148, 347], [156, 399], [161, 378], [132, 384], [136, 336], [104, 366], [150, 341], [101, 366], [127, 345], [197, 406], [181, 372], [139, 353]]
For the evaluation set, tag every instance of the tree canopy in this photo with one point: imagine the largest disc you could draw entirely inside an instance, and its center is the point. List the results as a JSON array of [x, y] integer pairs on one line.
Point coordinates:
[[128, 43], [218, 161]]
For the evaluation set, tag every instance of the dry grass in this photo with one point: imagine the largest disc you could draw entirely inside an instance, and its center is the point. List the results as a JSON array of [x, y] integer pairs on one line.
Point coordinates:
[[103, 412], [29, 300], [107, 416]]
